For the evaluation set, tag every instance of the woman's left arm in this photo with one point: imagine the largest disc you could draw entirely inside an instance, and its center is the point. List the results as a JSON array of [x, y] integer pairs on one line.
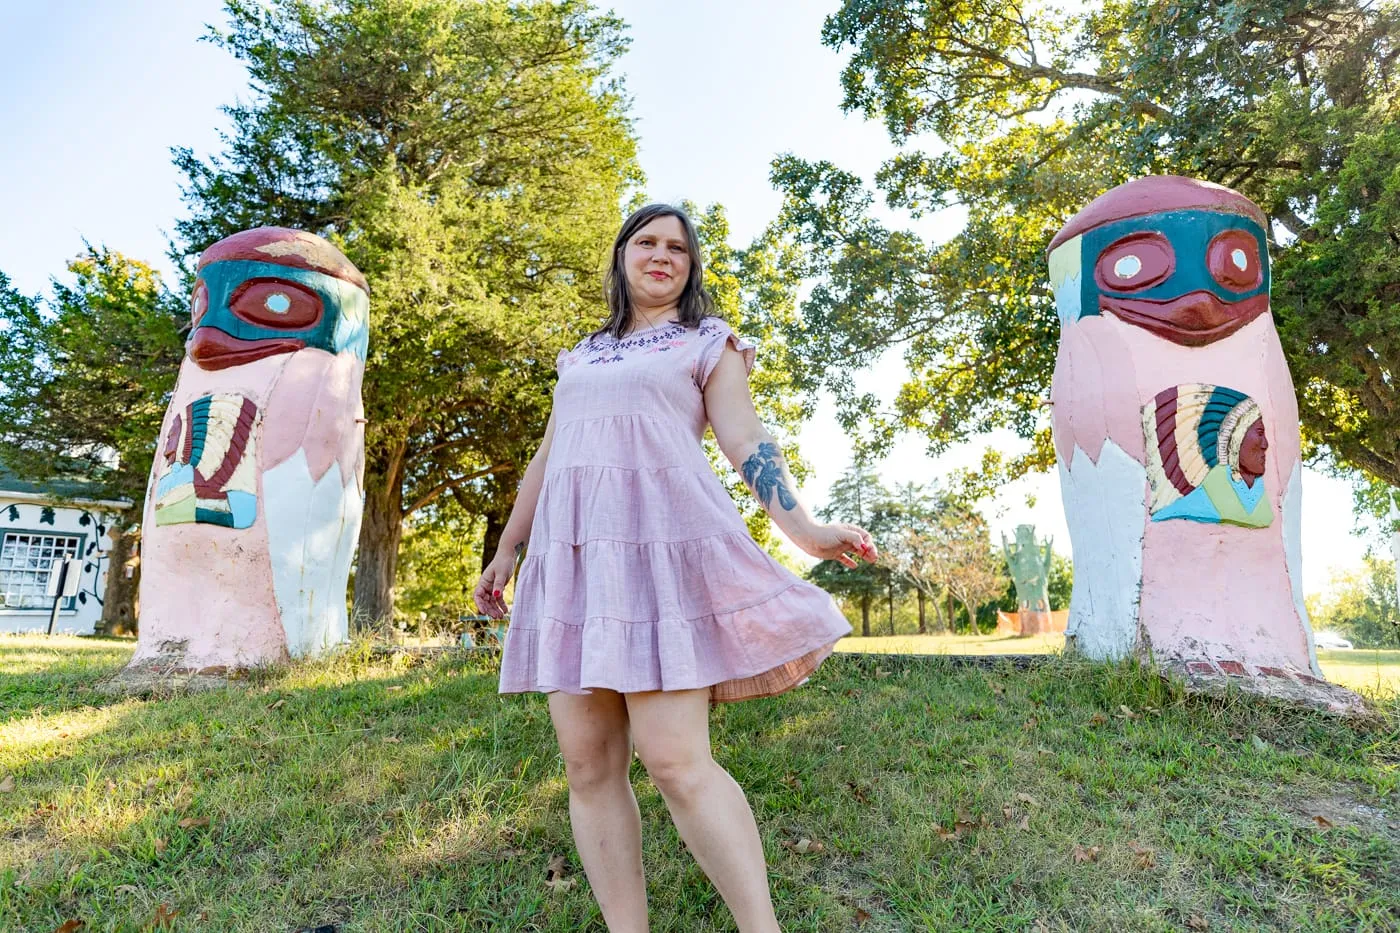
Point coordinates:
[[755, 454]]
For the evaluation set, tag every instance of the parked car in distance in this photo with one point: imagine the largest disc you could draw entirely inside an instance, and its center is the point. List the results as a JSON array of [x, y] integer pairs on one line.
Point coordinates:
[[1331, 641]]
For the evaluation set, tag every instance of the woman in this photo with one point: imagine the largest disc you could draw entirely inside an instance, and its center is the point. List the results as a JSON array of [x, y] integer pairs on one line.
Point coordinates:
[[642, 598]]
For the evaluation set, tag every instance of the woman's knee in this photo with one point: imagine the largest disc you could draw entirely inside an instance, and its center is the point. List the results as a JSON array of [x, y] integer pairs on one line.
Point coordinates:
[[595, 767], [679, 777]]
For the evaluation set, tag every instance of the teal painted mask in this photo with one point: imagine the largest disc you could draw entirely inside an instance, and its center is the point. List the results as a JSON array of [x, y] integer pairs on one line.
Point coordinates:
[[1190, 276], [244, 310]]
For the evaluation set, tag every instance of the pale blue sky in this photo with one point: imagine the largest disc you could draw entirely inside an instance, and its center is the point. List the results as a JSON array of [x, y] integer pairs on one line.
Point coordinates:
[[98, 92]]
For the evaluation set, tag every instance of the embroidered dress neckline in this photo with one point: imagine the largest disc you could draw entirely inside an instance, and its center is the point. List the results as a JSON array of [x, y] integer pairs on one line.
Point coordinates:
[[644, 330]]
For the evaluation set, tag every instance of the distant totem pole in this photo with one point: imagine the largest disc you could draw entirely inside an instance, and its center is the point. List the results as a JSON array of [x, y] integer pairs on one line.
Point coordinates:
[[255, 496], [1176, 428], [1029, 563]]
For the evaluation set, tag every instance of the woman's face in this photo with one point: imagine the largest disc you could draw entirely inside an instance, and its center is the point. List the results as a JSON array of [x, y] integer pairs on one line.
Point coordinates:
[[657, 263]]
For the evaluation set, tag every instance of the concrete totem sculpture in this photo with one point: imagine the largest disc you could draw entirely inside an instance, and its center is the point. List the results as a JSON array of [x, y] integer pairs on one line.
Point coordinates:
[[255, 496], [1176, 427], [1029, 563]]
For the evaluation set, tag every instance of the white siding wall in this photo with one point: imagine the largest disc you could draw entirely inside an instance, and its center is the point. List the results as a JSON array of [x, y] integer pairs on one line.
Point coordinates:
[[28, 515]]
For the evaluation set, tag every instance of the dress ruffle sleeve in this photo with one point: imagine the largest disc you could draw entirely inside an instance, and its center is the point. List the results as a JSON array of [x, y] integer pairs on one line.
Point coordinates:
[[713, 348]]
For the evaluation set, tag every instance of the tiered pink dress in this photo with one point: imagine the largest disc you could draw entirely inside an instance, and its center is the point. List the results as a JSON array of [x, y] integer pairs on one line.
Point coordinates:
[[640, 573]]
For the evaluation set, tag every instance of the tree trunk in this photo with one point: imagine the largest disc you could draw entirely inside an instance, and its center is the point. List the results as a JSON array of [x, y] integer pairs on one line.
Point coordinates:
[[972, 628], [123, 581], [889, 594], [948, 607], [491, 540], [923, 619], [380, 533], [865, 615]]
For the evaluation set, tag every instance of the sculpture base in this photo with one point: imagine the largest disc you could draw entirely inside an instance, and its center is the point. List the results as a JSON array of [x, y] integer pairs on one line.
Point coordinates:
[[1219, 677], [168, 672]]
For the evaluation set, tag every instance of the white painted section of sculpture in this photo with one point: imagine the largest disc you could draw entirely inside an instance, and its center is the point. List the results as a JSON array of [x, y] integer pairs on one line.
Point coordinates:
[[1293, 555], [312, 527], [1106, 509]]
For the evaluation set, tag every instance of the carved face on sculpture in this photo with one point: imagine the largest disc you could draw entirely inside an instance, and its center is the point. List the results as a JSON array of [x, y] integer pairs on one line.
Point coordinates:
[[1025, 537], [1181, 258], [273, 290], [1253, 452]]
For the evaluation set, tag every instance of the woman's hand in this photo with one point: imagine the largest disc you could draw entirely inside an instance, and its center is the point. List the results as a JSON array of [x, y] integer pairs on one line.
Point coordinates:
[[490, 589], [839, 541]]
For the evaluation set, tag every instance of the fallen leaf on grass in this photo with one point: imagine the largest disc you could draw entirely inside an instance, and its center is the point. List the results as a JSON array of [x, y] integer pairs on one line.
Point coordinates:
[[128, 889], [165, 917], [997, 688], [1197, 922], [278, 704], [804, 846], [880, 673], [1039, 927], [556, 875], [69, 926], [1082, 855], [393, 688], [160, 845], [1323, 823], [150, 785], [862, 915], [1143, 857], [1259, 744], [1025, 824], [1030, 724], [1126, 712], [858, 792], [193, 822], [1027, 799], [1098, 719], [8, 784], [392, 740]]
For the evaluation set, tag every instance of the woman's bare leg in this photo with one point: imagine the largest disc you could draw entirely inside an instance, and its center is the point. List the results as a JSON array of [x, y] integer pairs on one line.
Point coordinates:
[[672, 732], [593, 738]]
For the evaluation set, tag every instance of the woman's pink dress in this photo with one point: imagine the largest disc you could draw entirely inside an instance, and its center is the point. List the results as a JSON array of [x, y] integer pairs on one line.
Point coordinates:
[[640, 573]]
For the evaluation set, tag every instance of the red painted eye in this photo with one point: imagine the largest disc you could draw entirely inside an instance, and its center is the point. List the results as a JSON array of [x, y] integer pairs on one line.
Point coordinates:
[[199, 301], [1134, 263], [1233, 258], [276, 303]]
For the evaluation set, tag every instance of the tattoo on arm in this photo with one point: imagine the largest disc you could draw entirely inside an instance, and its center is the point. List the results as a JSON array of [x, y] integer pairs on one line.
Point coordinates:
[[763, 471]]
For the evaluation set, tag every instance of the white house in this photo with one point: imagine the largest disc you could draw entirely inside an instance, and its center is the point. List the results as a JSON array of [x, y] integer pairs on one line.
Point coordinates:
[[41, 525]]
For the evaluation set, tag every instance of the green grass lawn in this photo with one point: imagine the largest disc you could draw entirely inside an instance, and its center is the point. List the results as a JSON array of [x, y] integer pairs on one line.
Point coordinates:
[[389, 795], [1371, 671]]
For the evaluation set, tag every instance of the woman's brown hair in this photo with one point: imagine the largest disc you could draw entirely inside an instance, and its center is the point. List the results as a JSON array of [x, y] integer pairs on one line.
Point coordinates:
[[695, 303]]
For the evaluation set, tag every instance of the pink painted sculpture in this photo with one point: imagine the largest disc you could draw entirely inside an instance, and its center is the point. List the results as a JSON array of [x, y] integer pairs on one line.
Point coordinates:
[[1176, 427], [254, 504]]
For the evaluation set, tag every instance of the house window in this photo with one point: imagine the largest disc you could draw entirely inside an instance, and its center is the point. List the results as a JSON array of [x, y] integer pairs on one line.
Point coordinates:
[[26, 561]]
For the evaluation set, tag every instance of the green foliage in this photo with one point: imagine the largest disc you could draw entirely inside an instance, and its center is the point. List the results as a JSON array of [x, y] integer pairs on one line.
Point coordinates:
[[438, 557], [471, 159], [1038, 110], [756, 297], [1362, 606], [88, 373]]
